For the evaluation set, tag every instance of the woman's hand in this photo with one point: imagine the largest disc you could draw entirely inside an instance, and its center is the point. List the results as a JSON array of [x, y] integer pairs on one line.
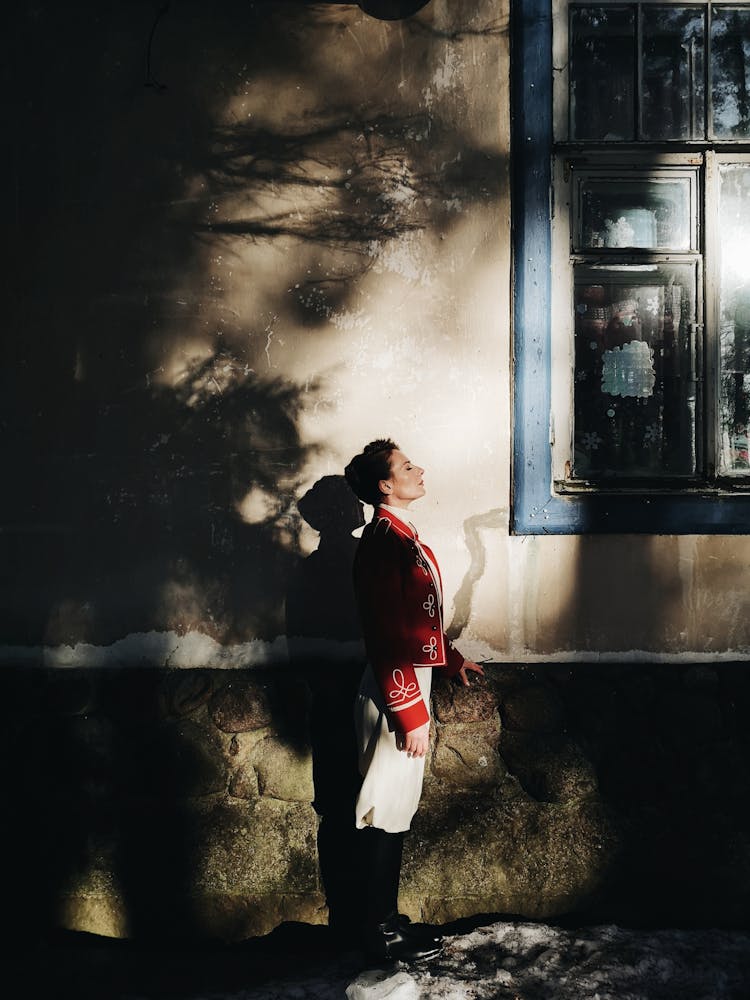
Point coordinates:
[[463, 672], [416, 742]]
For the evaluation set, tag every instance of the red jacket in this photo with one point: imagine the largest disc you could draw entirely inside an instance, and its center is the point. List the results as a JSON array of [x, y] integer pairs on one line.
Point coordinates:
[[402, 616]]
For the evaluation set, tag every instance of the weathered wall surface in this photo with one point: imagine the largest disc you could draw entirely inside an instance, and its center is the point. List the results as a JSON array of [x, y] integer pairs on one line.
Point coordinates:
[[283, 234], [218, 804], [279, 231], [239, 253]]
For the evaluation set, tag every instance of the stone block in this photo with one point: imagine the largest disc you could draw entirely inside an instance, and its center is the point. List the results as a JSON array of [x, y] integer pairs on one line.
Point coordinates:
[[259, 848], [185, 691], [242, 705], [549, 770], [506, 677], [241, 745], [455, 703], [176, 760], [536, 709], [466, 754], [482, 853], [105, 915], [213, 867], [283, 771], [243, 783], [236, 917]]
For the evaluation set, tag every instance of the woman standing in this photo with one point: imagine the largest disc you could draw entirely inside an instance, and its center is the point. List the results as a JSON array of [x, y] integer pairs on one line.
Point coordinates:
[[399, 593]]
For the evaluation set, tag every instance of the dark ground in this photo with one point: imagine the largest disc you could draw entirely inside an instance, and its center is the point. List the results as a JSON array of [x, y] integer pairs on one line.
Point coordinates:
[[88, 967], [295, 957]]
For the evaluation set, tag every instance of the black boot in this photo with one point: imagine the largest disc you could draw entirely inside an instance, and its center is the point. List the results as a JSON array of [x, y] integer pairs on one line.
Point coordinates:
[[421, 932], [388, 942], [388, 934]]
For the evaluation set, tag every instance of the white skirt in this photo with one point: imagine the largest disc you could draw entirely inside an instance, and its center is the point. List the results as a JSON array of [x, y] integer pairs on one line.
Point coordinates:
[[392, 783]]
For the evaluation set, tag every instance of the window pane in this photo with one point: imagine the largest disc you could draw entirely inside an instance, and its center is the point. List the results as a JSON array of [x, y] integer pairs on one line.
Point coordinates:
[[644, 213], [602, 74], [730, 70], [734, 304], [673, 82], [634, 409]]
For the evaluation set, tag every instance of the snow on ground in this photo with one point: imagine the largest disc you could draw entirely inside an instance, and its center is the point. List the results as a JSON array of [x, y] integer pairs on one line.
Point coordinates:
[[525, 961]]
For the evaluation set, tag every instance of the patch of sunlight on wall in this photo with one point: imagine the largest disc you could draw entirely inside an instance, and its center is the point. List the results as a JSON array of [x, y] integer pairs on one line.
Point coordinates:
[[258, 506], [417, 352], [515, 599], [404, 334], [482, 604], [421, 354], [545, 581]]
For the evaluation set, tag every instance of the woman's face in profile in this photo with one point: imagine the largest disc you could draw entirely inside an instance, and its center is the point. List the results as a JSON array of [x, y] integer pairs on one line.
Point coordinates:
[[406, 481]]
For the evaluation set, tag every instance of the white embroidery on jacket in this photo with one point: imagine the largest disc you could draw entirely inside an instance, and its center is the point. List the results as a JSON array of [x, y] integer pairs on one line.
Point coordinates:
[[429, 606], [431, 648], [401, 691], [407, 704], [422, 566]]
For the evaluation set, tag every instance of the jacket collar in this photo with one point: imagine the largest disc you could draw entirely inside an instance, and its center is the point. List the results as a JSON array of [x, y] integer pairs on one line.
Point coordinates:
[[402, 526]]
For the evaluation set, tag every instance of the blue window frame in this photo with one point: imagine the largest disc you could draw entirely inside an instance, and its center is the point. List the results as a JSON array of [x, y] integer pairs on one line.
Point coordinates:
[[537, 507]]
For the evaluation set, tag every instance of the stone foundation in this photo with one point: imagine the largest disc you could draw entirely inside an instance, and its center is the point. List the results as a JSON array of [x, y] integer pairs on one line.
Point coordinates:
[[202, 803]]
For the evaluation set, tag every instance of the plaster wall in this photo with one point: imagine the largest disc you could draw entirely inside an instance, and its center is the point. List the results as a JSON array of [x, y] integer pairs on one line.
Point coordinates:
[[243, 251]]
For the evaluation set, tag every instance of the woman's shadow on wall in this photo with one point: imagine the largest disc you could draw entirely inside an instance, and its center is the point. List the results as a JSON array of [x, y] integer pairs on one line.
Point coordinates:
[[325, 641]]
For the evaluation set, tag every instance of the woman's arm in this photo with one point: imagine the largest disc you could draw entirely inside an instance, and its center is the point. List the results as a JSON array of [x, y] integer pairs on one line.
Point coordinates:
[[378, 583]]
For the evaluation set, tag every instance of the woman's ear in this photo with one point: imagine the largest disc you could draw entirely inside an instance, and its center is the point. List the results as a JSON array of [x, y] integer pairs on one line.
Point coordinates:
[[385, 486]]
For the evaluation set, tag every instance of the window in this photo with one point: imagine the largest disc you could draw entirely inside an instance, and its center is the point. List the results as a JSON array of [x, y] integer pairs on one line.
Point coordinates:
[[632, 281]]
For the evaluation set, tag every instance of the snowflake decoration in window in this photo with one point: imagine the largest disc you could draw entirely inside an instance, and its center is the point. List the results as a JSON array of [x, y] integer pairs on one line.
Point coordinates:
[[591, 440], [652, 305], [581, 375]]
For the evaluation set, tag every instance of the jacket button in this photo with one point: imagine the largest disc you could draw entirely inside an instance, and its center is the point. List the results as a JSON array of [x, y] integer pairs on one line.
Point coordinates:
[[434, 628]]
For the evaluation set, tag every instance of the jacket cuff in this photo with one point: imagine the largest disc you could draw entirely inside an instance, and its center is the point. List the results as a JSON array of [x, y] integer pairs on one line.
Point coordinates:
[[410, 718]]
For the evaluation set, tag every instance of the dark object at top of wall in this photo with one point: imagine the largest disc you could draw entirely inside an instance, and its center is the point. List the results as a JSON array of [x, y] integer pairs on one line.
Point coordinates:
[[391, 10], [388, 10]]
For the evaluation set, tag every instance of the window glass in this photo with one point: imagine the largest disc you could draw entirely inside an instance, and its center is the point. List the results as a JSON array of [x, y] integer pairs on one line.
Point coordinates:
[[673, 73], [634, 395], [730, 70], [602, 81], [646, 213], [734, 311]]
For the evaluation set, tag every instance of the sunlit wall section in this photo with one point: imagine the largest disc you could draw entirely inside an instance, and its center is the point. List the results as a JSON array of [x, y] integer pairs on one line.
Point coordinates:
[[353, 246]]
